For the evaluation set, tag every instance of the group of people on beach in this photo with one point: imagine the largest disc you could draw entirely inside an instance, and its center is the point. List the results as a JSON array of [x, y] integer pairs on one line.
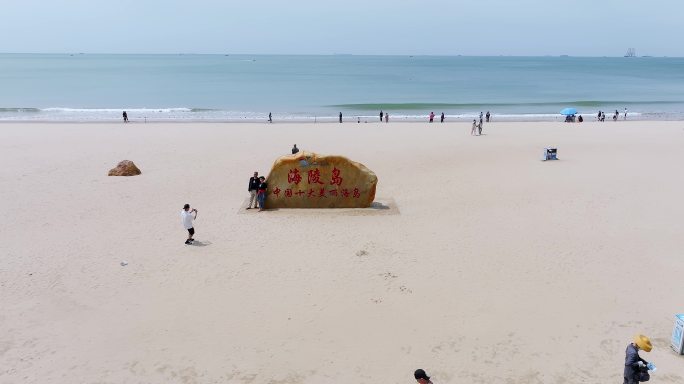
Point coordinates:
[[386, 116], [257, 192], [476, 129], [602, 116]]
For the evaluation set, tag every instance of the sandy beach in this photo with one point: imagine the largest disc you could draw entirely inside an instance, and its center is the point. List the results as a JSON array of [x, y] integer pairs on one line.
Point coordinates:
[[493, 266]]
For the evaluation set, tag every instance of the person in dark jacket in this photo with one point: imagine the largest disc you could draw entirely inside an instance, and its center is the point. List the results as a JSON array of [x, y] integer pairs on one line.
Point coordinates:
[[252, 189], [295, 150], [633, 360]]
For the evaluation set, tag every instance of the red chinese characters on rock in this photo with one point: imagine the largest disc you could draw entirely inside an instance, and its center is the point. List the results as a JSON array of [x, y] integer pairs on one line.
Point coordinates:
[[293, 176], [317, 193], [314, 176], [336, 178], [356, 193]]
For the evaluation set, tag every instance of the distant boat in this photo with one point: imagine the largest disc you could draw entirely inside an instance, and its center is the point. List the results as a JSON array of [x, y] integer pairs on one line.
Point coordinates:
[[631, 52]]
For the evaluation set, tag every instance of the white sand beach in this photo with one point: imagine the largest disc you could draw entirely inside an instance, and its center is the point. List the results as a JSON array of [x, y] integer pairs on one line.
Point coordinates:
[[492, 267]]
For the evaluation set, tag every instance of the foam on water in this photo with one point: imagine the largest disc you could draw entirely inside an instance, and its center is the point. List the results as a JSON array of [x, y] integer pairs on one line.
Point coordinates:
[[48, 87]]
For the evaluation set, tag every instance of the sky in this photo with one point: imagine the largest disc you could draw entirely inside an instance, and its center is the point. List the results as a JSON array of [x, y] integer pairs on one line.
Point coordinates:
[[369, 27]]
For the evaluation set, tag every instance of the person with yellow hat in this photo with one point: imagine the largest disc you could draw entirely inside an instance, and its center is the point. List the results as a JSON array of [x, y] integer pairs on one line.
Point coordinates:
[[634, 362]]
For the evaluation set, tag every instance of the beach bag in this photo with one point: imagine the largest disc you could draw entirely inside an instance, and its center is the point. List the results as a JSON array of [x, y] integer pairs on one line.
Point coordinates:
[[643, 375]]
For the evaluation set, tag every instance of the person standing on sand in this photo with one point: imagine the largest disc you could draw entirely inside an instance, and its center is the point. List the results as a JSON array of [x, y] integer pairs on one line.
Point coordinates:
[[295, 150], [634, 362], [432, 116], [261, 193], [187, 218], [625, 113], [472, 130], [441, 118], [125, 117], [252, 189], [386, 117], [381, 116], [340, 117], [487, 116], [270, 117], [421, 377], [479, 129]]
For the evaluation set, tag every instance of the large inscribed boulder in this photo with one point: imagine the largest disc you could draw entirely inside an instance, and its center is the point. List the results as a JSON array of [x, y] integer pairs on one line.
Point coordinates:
[[309, 180]]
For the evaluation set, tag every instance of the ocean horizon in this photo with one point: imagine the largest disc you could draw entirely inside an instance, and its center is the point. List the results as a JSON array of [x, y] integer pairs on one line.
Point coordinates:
[[313, 88]]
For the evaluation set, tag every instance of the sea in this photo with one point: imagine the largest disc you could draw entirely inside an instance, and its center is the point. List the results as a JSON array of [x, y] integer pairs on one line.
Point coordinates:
[[316, 88]]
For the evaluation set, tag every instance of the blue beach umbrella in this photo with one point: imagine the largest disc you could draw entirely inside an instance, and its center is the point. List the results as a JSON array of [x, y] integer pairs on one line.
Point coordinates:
[[568, 111]]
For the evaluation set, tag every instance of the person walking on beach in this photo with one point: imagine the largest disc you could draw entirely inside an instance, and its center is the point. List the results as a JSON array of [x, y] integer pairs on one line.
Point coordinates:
[[340, 117], [598, 117], [187, 218], [381, 116], [295, 150], [421, 377], [432, 116], [261, 193], [474, 128], [635, 366], [441, 118], [625, 113], [252, 189], [125, 117], [479, 129], [487, 116], [386, 117], [270, 117], [480, 118]]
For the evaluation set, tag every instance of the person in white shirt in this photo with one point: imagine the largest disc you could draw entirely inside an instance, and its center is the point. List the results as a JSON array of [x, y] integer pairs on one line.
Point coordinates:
[[186, 218]]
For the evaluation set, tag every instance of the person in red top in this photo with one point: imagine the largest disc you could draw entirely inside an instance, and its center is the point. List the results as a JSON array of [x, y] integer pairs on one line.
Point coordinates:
[[432, 116], [261, 193]]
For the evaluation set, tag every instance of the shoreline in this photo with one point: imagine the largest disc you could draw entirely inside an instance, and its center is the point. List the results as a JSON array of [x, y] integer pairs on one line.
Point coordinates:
[[331, 120]]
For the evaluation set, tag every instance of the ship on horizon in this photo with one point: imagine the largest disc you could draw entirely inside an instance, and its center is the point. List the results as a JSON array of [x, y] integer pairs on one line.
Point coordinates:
[[631, 52]]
